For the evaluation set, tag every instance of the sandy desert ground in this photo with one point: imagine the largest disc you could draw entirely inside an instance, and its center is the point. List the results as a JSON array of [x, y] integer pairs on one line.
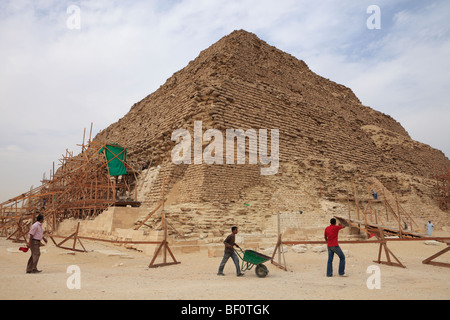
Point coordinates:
[[109, 272]]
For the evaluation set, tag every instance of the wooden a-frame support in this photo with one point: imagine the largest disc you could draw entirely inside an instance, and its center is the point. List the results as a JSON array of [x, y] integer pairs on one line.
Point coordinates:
[[388, 252], [164, 245], [75, 239]]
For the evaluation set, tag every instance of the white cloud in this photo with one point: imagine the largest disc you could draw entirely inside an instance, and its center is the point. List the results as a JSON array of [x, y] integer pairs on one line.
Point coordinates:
[[55, 81]]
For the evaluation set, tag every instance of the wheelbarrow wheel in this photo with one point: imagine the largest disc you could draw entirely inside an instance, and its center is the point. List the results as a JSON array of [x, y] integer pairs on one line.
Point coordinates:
[[261, 270]]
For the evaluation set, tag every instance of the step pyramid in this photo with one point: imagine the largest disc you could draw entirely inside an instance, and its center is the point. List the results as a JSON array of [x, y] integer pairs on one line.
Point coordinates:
[[326, 137]]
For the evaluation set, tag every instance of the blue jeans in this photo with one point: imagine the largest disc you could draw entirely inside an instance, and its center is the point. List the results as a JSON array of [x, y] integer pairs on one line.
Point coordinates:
[[227, 256], [331, 252]]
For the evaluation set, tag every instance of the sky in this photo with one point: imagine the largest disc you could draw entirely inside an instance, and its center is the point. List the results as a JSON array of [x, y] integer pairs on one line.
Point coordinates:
[[65, 65]]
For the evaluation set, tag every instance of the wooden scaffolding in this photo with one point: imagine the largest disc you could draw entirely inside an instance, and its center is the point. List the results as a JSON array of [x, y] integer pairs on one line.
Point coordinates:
[[394, 218], [82, 187], [394, 224]]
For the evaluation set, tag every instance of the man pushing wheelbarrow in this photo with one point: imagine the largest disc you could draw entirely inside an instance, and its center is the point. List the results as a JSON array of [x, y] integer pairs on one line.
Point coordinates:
[[249, 258], [230, 242]]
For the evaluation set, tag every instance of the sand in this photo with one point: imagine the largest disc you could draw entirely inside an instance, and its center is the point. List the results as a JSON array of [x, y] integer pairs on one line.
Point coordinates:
[[110, 272]]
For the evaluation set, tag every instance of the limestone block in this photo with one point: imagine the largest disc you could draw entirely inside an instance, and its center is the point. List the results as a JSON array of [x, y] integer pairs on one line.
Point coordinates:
[[319, 248], [215, 251], [184, 249], [300, 248]]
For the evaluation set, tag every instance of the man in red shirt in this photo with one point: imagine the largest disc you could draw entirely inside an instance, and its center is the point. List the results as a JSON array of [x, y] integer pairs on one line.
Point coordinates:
[[331, 237]]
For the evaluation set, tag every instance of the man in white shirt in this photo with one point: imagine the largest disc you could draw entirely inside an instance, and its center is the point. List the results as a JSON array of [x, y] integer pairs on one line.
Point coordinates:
[[36, 235], [430, 228]]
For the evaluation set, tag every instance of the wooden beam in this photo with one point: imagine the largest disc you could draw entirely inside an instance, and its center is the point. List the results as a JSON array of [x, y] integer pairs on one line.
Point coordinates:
[[278, 247], [149, 215], [430, 261]]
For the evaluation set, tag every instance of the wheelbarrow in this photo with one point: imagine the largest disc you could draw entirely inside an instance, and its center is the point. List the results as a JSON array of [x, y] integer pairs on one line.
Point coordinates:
[[252, 258]]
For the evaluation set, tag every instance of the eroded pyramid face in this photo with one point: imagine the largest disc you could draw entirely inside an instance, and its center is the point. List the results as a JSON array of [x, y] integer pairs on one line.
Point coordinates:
[[326, 136]]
